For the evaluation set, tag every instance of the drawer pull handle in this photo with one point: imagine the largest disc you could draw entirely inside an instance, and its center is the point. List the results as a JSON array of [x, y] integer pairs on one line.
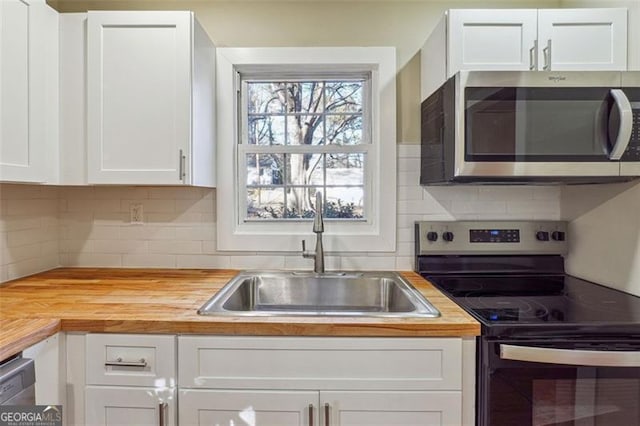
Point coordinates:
[[310, 414], [163, 417], [120, 363]]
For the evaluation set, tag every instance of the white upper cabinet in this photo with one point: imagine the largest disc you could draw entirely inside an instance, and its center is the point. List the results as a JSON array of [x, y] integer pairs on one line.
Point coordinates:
[[579, 39], [25, 99], [522, 40], [150, 87], [485, 39]]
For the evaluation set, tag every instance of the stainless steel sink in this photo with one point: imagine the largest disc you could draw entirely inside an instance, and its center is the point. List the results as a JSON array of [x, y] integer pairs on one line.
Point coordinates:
[[367, 294]]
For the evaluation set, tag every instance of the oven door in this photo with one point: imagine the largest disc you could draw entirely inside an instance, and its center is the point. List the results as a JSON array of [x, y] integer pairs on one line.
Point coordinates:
[[536, 128], [559, 384]]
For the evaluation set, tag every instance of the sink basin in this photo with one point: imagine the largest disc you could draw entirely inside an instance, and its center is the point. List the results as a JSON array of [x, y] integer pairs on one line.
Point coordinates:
[[368, 294]]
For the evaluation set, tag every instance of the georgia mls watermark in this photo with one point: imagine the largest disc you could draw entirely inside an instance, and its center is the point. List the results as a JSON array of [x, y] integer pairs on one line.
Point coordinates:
[[30, 415]]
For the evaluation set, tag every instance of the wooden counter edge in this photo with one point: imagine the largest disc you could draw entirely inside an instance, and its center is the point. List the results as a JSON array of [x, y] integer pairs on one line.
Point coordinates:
[[24, 333]]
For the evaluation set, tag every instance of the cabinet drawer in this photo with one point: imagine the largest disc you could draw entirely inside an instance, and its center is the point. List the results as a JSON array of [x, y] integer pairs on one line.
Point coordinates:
[[320, 363], [131, 359]]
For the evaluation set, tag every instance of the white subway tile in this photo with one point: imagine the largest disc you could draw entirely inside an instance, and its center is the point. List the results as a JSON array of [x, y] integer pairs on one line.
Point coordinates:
[[367, 263], [195, 233], [15, 223], [408, 178], [134, 192], [505, 193], [24, 237], [150, 206], [537, 206], [405, 263], [195, 206], [175, 247], [478, 207], [202, 261], [409, 193], [99, 260], [148, 232], [118, 246], [148, 261], [91, 205], [209, 247], [257, 262], [20, 253], [30, 207], [408, 151], [297, 262]]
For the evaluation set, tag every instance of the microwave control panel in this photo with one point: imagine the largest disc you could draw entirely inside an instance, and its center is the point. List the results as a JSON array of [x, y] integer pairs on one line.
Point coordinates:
[[632, 153]]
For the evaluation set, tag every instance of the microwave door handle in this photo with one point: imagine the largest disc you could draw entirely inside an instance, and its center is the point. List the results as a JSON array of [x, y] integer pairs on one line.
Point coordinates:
[[570, 356], [626, 124]]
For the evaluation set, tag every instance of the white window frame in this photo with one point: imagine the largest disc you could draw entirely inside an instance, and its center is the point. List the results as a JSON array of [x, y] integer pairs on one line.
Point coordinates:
[[378, 232]]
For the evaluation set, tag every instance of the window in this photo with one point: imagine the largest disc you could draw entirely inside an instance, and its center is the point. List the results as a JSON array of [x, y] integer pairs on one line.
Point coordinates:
[[293, 122], [301, 137]]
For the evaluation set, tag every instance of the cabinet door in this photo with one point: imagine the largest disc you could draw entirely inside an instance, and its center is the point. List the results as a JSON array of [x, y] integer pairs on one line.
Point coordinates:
[[18, 153], [138, 96], [491, 39], [240, 408], [117, 405], [582, 39], [391, 408]]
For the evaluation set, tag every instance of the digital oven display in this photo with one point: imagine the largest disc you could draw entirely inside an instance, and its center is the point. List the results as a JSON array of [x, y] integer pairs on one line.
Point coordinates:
[[494, 235]]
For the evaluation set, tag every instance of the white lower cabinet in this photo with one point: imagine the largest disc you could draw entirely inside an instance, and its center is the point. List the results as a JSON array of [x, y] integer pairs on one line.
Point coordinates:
[[326, 408], [269, 381], [240, 408], [289, 381], [111, 406]]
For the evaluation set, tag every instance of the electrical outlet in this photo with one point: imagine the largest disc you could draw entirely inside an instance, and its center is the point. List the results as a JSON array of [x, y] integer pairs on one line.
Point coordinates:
[[137, 214]]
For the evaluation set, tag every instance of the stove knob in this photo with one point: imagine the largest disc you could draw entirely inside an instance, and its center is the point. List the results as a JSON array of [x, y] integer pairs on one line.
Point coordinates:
[[447, 236], [432, 236], [542, 236], [557, 236]]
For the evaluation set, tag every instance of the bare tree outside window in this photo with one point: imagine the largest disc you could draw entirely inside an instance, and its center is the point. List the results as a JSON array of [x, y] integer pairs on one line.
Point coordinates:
[[303, 137]]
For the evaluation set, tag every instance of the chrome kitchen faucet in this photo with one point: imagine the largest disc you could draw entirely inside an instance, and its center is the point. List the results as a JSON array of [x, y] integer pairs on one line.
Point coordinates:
[[318, 229]]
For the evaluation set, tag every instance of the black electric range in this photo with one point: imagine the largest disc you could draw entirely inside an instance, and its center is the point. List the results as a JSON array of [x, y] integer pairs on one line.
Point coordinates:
[[554, 349]]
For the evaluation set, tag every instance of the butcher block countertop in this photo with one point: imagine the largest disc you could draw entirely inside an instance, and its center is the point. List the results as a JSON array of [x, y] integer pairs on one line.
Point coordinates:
[[166, 300]]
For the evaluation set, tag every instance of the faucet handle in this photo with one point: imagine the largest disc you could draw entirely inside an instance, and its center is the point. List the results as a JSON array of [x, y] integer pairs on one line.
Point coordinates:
[[304, 251]]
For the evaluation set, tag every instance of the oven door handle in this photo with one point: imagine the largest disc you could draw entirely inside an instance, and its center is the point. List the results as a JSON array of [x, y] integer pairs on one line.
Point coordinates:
[[570, 356]]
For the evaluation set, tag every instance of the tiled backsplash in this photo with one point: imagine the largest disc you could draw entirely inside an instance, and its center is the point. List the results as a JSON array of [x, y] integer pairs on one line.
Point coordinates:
[[28, 230], [179, 224]]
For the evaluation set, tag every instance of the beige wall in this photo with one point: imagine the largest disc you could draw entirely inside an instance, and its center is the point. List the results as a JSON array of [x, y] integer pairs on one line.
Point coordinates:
[[605, 240], [403, 24]]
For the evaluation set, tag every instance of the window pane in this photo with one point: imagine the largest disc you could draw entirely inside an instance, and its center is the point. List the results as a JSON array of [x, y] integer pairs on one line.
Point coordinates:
[[265, 203], [301, 202], [265, 169], [305, 129], [345, 169], [265, 98], [345, 203], [266, 130], [305, 97], [344, 129], [304, 169], [344, 96]]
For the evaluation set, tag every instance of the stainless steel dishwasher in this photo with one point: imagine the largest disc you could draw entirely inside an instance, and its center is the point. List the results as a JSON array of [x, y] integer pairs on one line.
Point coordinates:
[[17, 381]]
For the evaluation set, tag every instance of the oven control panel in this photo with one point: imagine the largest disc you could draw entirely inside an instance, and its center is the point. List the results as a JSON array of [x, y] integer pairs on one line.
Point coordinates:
[[491, 237]]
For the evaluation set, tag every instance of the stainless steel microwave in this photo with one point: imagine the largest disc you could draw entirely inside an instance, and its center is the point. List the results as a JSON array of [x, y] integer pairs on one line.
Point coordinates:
[[532, 126]]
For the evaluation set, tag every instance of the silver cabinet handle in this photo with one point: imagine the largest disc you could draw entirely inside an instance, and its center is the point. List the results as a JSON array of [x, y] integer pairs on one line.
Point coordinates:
[[626, 124], [547, 56], [533, 56], [310, 414], [181, 166], [120, 363], [163, 417], [327, 413], [570, 356]]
